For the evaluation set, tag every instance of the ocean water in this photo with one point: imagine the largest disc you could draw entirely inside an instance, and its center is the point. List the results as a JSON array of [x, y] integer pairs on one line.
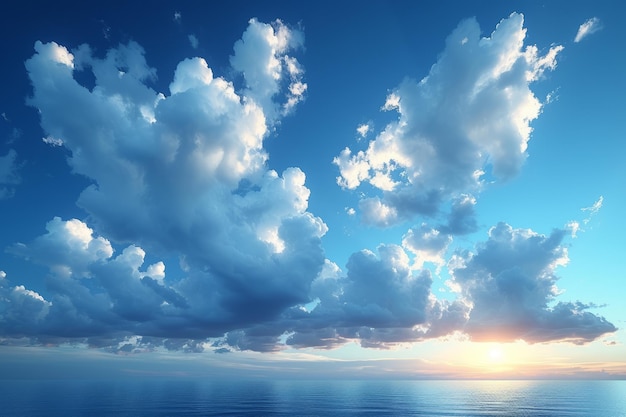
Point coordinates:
[[158, 397]]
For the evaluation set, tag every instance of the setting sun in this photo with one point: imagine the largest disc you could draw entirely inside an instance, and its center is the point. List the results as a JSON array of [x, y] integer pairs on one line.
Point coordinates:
[[496, 354]]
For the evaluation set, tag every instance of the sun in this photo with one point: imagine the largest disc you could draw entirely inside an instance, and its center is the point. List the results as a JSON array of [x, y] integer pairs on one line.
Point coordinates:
[[495, 354]]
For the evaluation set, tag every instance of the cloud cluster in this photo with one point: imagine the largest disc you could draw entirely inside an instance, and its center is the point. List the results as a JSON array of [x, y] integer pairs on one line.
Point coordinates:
[[506, 289], [467, 120], [183, 175], [510, 282], [589, 27]]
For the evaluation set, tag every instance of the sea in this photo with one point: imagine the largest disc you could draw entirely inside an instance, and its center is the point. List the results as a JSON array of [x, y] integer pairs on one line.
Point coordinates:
[[196, 397]]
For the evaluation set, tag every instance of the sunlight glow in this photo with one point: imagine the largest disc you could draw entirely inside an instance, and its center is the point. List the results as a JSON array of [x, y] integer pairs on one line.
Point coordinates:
[[496, 354]]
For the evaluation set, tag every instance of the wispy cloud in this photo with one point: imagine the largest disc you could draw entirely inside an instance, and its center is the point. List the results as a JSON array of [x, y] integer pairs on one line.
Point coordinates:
[[9, 176], [193, 40], [590, 26], [593, 209]]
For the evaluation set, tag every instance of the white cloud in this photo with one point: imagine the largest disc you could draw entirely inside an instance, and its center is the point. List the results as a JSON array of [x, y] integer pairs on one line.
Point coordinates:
[[354, 169], [68, 248], [377, 212], [590, 26], [453, 124], [52, 141], [363, 129], [53, 52], [261, 56], [391, 103], [573, 226]]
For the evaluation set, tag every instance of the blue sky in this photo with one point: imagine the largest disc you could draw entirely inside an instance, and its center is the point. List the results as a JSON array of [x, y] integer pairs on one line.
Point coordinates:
[[424, 189]]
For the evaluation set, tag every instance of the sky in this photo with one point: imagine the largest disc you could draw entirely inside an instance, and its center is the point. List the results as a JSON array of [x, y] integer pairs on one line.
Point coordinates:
[[407, 189]]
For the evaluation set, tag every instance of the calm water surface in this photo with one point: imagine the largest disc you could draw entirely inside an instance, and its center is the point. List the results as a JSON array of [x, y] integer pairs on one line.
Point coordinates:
[[312, 398]]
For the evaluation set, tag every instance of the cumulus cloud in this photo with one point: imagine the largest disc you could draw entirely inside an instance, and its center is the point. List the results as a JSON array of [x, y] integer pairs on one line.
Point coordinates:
[[510, 282], [92, 292], [470, 116], [506, 291], [68, 247], [381, 302], [9, 176], [28, 308], [261, 56], [462, 217], [589, 27], [96, 292], [506, 286], [181, 172], [428, 244]]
